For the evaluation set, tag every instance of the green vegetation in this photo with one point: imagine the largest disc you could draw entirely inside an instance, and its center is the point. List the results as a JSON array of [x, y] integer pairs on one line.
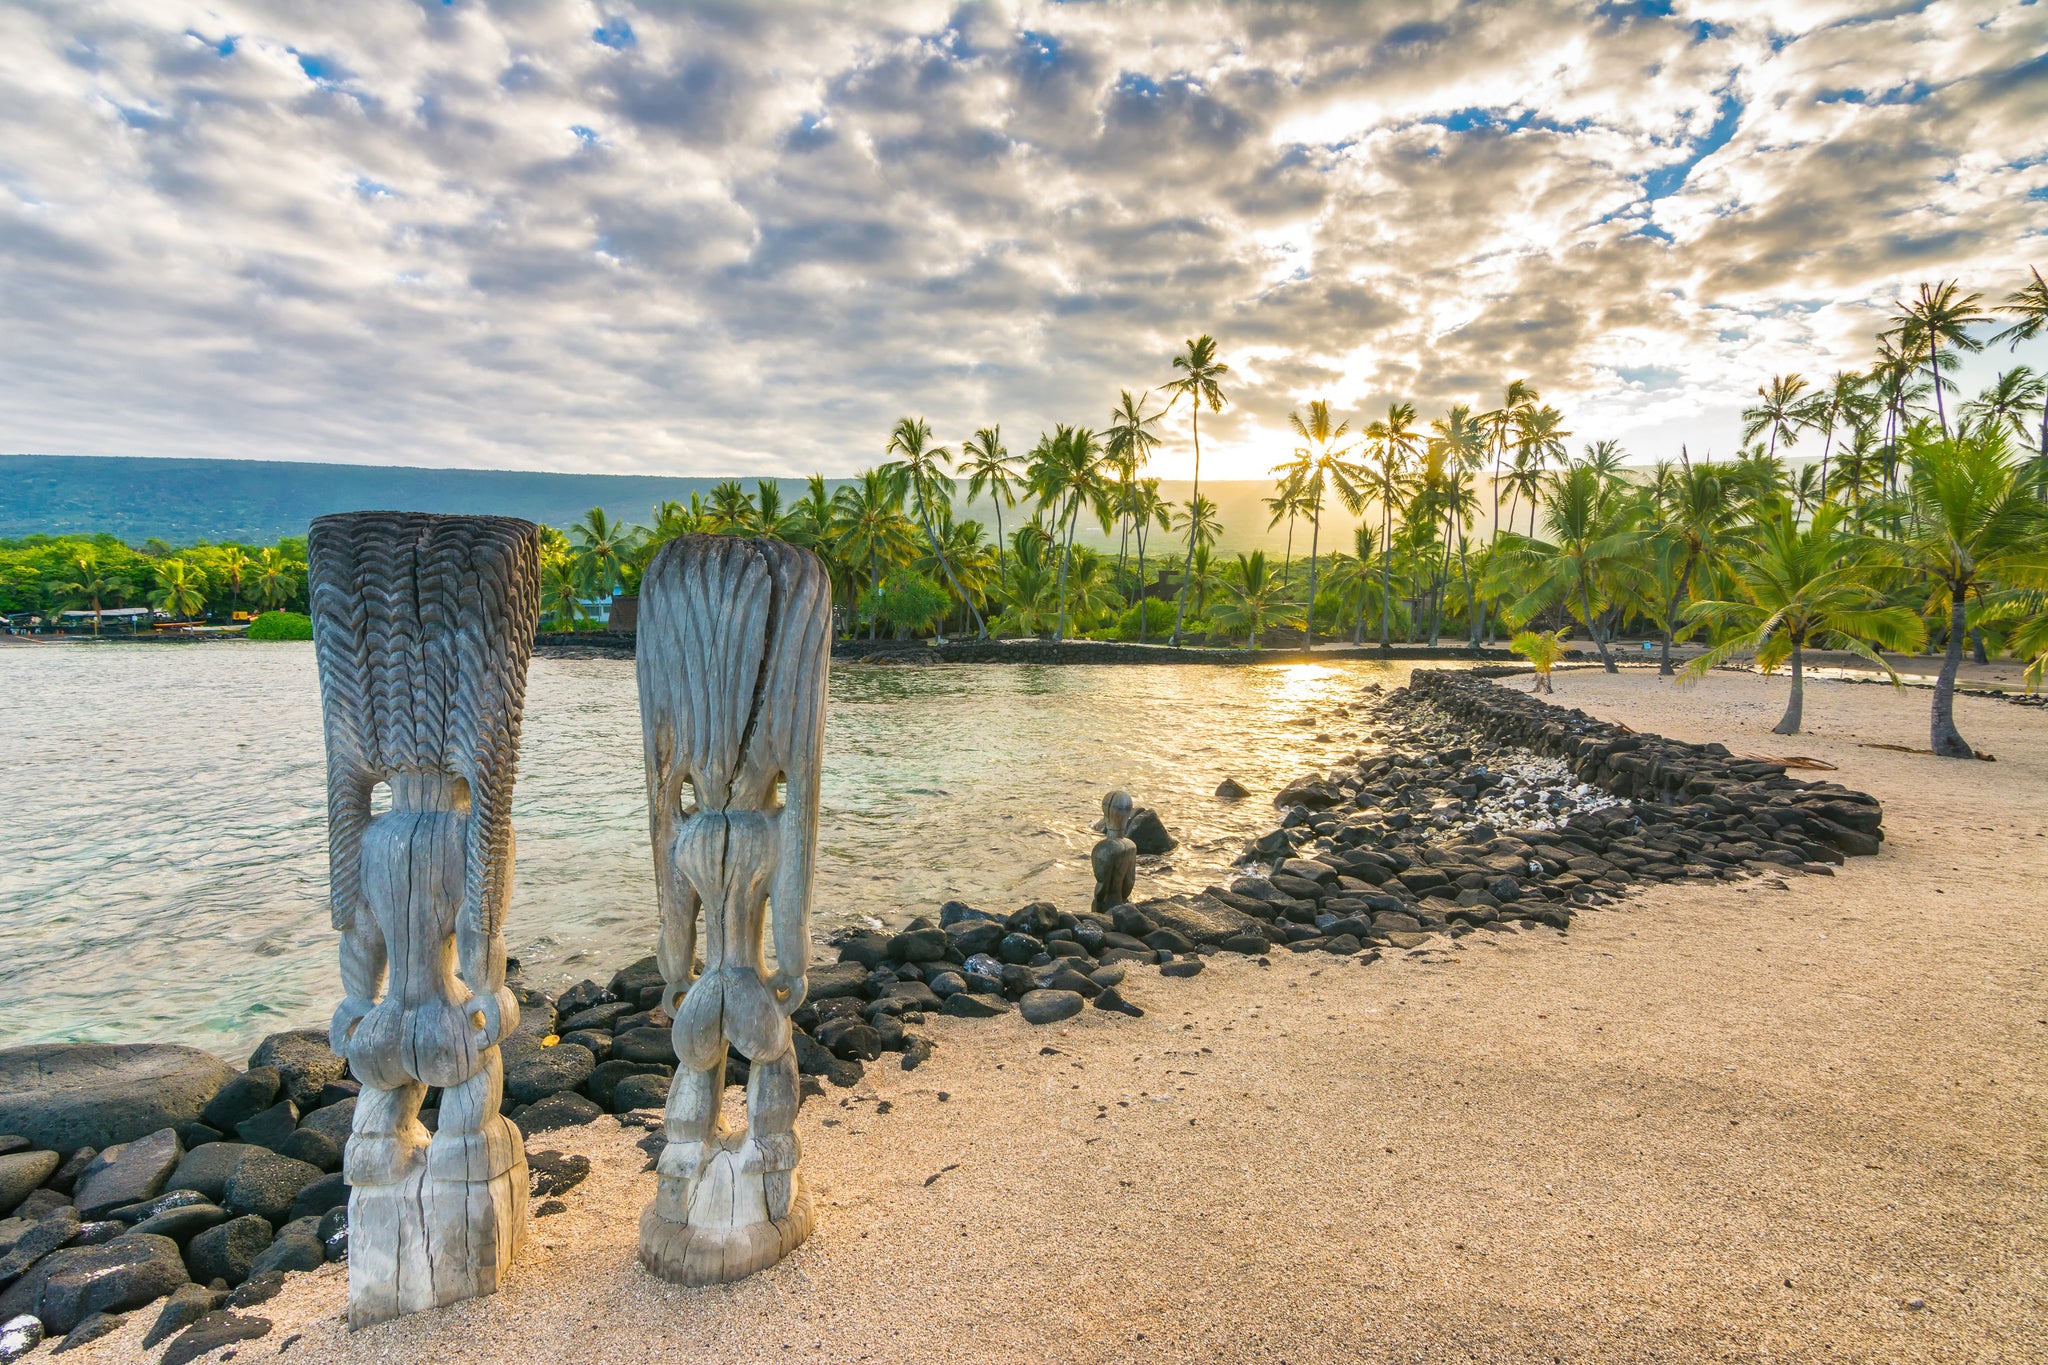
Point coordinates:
[[1542, 648], [43, 576], [1921, 521], [281, 625]]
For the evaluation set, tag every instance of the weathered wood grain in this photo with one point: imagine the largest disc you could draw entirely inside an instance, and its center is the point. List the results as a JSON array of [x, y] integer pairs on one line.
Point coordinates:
[[733, 651], [422, 626]]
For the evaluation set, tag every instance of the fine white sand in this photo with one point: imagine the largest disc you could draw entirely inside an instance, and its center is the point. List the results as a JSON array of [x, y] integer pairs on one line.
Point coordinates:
[[1736, 1121]]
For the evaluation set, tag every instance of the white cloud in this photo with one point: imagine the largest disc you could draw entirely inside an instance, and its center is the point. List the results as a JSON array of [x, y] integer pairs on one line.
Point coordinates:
[[743, 239]]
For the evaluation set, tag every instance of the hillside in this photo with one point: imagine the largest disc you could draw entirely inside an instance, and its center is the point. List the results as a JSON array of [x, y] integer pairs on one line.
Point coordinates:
[[258, 501]]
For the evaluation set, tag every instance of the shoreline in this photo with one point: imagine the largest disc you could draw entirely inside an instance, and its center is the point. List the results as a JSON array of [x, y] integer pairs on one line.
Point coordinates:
[[1339, 889], [1613, 1144]]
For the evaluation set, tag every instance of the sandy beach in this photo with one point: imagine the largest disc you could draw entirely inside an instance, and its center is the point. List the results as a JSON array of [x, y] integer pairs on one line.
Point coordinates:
[[1784, 1120]]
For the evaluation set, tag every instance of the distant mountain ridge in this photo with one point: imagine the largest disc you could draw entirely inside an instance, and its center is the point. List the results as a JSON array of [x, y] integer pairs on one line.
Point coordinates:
[[259, 501]]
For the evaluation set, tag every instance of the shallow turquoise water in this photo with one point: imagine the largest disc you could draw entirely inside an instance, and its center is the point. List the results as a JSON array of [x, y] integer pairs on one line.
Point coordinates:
[[163, 854]]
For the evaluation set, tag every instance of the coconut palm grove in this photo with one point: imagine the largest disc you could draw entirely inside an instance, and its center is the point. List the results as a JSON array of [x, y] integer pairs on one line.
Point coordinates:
[[1911, 519]]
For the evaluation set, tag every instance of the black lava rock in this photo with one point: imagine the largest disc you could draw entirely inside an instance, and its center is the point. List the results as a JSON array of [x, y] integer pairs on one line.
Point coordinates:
[[304, 1062], [212, 1332], [297, 1247], [229, 1251], [127, 1173], [244, 1097], [564, 1066]]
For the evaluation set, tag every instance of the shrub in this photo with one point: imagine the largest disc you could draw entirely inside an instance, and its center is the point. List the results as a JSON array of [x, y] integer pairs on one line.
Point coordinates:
[[1158, 620], [907, 601], [281, 625]]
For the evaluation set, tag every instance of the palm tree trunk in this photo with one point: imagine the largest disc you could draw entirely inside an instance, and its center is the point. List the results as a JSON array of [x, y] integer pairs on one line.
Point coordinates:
[[1593, 626], [1066, 553], [1315, 534], [1789, 723], [874, 586], [1287, 564], [1671, 617], [1142, 598], [924, 519], [1934, 365], [1386, 550], [1947, 741], [1194, 521]]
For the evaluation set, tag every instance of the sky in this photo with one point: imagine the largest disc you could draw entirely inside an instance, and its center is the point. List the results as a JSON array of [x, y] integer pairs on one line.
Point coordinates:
[[728, 239]]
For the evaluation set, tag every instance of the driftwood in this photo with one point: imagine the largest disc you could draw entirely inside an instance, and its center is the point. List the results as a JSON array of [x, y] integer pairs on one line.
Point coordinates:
[[734, 645], [422, 626]]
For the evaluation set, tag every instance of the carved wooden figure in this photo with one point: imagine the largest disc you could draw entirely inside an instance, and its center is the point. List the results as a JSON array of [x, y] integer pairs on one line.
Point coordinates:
[[734, 644], [1115, 857], [422, 626]]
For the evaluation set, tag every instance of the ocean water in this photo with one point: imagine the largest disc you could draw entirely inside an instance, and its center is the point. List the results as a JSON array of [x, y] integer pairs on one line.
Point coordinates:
[[163, 857]]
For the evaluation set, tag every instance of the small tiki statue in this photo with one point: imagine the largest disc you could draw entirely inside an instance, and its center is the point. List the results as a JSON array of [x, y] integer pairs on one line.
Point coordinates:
[[422, 626], [734, 644], [1115, 857]]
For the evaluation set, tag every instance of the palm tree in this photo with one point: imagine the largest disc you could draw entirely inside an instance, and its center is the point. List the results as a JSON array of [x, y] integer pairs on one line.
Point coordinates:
[[1973, 518], [1198, 518], [1200, 382], [731, 511], [1520, 395], [1542, 648], [1128, 442], [1784, 412], [1699, 516], [1285, 505], [1802, 585], [1148, 510], [90, 585], [2029, 304], [986, 463], [1065, 473], [870, 528], [1539, 440], [1251, 596], [1594, 530], [603, 544], [922, 468], [1457, 447], [274, 582], [769, 518], [234, 565], [1938, 313], [1320, 462], [561, 591], [1844, 399], [1394, 440], [2008, 402], [1352, 576], [177, 592]]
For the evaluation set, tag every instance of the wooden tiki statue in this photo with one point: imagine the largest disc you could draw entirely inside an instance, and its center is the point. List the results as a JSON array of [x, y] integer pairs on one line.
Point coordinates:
[[734, 644], [422, 626]]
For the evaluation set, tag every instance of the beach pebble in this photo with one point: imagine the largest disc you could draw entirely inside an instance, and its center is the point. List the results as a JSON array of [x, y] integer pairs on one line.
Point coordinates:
[[334, 1233], [229, 1251], [69, 1286], [1112, 999], [183, 1222], [643, 1092], [18, 1336], [1183, 968], [127, 1173], [566, 1110], [643, 1045], [304, 1063], [270, 1127], [970, 1005], [320, 1196], [1050, 1006], [564, 1066], [297, 1247], [92, 1329], [21, 1174]]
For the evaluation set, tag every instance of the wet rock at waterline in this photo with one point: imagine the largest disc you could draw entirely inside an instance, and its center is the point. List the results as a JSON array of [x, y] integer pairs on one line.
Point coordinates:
[[64, 1096]]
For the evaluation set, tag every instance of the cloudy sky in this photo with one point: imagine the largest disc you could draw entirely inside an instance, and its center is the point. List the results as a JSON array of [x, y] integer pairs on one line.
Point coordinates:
[[743, 239]]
